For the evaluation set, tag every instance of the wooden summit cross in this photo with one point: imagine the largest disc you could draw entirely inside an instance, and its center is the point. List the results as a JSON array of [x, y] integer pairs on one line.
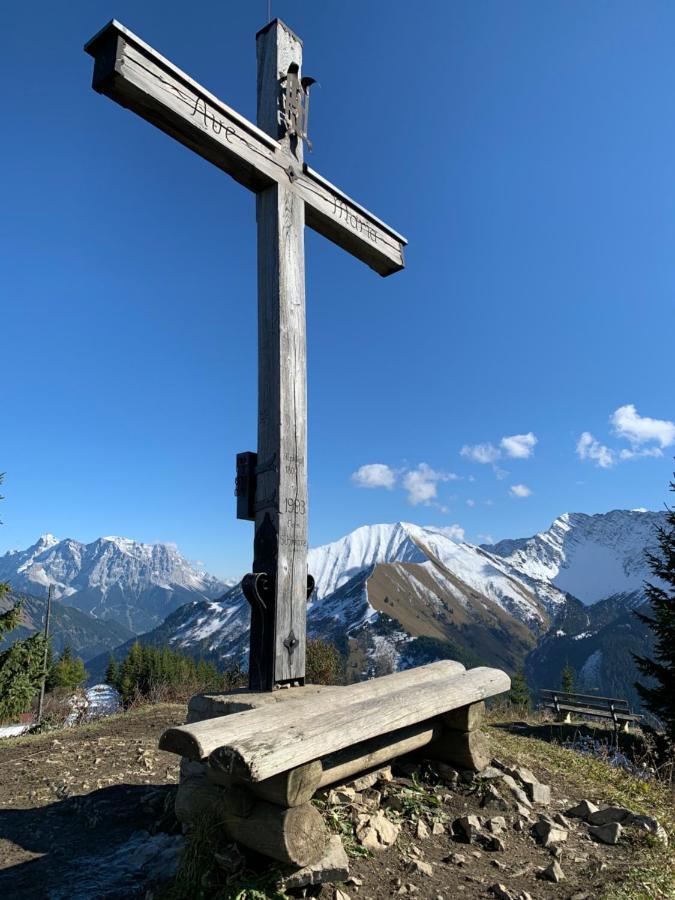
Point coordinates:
[[267, 159]]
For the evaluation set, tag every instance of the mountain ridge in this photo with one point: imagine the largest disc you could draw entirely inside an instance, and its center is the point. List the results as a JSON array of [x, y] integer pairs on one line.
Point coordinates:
[[110, 578]]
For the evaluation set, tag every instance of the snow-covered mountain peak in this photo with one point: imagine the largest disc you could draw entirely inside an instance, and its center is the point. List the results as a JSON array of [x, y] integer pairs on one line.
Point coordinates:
[[112, 577], [589, 556]]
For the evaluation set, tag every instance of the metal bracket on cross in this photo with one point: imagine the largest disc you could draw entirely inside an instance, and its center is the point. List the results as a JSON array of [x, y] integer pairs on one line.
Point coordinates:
[[296, 104]]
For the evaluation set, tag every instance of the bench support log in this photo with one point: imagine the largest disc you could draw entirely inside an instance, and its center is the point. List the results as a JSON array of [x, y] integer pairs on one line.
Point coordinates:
[[292, 788], [295, 836]]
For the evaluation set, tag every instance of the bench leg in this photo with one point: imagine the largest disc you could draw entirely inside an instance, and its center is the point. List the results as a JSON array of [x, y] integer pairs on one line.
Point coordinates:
[[461, 742], [295, 836]]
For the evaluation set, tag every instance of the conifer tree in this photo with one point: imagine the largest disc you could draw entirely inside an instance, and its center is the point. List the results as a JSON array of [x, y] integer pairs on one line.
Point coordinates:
[[67, 671], [520, 692], [568, 679], [112, 671], [20, 664], [660, 697]]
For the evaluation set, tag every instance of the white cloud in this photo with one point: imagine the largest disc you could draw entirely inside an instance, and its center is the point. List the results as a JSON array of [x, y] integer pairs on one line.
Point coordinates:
[[519, 446], [374, 475], [637, 429], [422, 483], [520, 490], [485, 538], [589, 448], [471, 503], [646, 451], [480, 453], [454, 532]]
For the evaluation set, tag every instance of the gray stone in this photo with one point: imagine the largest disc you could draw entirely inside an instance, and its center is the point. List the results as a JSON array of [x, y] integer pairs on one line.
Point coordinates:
[[494, 843], [651, 826], [553, 872], [466, 828], [371, 778], [447, 773], [582, 810], [609, 814], [341, 795], [490, 772], [438, 828], [377, 832], [517, 792], [519, 825], [561, 820], [457, 859], [421, 831], [422, 868], [501, 892], [606, 834], [496, 824], [332, 867], [492, 799], [549, 834], [539, 793]]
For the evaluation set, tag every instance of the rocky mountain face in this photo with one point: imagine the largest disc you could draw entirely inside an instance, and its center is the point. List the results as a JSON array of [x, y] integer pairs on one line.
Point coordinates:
[[114, 579], [391, 596], [88, 637], [394, 596]]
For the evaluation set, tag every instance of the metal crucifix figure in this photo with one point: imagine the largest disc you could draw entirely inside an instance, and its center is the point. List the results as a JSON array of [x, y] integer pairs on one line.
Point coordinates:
[[267, 158]]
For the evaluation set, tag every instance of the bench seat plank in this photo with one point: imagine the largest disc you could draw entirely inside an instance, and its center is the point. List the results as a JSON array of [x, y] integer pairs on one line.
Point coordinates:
[[334, 725], [198, 740], [603, 712]]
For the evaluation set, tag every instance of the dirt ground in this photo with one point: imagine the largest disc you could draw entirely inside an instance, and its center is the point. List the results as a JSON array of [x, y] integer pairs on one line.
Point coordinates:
[[67, 796], [76, 793]]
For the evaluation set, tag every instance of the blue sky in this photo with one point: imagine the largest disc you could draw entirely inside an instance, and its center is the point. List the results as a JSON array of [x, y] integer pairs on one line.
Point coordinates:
[[526, 151]]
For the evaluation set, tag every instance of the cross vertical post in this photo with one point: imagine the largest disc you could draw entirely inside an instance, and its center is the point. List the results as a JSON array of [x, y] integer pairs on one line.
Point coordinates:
[[277, 647]]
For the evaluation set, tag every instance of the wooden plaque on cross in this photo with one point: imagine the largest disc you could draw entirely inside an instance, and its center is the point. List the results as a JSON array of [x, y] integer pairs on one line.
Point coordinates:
[[267, 158]]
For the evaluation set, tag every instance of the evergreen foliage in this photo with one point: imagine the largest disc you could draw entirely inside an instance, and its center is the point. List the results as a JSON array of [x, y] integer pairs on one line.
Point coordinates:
[[20, 668], [520, 692], [20, 665], [568, 679], [66, 672], [324, 663], [148, 671], [112, 672], [659, 698]]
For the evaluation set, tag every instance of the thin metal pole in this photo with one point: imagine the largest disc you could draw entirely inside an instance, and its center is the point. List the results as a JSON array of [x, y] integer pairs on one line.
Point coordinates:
[[46, 657]]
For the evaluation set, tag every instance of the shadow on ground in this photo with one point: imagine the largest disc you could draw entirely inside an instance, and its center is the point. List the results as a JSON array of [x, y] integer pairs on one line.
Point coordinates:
[[108, 843]]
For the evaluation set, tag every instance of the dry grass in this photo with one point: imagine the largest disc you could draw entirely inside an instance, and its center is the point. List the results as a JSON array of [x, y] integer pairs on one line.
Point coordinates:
[[590, 778]]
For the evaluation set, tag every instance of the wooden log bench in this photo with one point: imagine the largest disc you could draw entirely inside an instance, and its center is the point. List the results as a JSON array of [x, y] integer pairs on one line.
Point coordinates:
[[565, 704], [258, 765]]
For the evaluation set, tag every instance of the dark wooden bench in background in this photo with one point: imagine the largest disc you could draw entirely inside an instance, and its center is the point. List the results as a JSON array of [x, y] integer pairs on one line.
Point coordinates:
[[565, 703]]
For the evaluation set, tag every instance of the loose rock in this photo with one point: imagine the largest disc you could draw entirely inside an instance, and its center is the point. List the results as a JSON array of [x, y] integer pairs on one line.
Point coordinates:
[[549, 834], [457, 859], [609, 814], [606, 834], [582, 810], [438, 828], [495, 844], [553, 872], [496, 824], [377, 832], [422, 868], [501, 892], [333, 866], [341, 795], [466, 828], [421, 831]]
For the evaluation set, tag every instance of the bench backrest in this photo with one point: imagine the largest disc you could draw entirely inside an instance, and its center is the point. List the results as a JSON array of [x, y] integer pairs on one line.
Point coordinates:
[[586, 701]]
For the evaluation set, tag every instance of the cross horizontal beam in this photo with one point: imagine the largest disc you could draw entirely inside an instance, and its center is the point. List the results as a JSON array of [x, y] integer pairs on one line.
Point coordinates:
[[129, 71]]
